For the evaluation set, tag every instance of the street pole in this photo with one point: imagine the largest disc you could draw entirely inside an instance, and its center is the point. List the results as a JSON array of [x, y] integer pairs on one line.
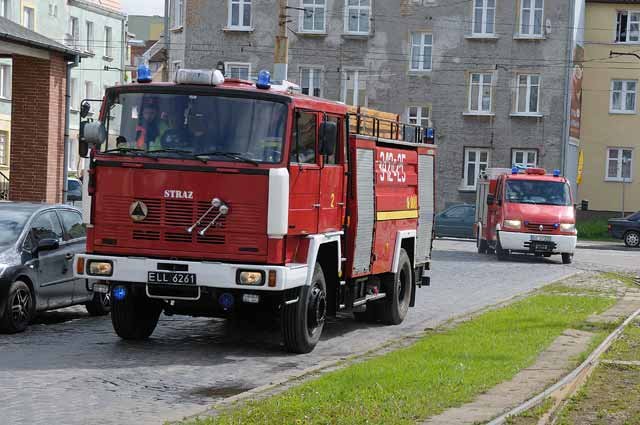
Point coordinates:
[[281, 55], [165, 72]]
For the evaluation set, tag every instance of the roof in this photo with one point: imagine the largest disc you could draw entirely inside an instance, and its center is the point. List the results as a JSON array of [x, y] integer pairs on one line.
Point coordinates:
[[10, 31], [615, 1]]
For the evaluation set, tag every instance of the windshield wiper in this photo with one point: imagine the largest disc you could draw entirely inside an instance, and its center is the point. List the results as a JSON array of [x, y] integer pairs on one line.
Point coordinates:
[[169, 150], [123, 150], [232, 155]]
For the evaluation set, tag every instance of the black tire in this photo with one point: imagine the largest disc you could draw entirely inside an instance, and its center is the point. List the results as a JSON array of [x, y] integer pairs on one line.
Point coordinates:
[[567, 258], [398, 288], [136, 316], [632, 239], [100, 305], [302, 322], [502, 254], [483, 246], [19, 308]]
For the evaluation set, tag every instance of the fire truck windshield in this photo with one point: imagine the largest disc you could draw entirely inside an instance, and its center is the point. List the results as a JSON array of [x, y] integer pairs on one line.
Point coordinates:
[[200, 127], [538, 192]]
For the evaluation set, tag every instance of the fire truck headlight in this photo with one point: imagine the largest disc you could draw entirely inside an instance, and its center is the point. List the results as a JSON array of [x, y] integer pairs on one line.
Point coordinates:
[[253, 278], [100, 268], [567, 227], [512, 224]]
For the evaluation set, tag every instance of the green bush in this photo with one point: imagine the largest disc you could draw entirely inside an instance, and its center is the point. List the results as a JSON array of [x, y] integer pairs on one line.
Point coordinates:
[[594, 229]]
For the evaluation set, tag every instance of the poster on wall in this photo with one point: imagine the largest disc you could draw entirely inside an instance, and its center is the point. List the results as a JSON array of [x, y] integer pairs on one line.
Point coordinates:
[[576, 104]]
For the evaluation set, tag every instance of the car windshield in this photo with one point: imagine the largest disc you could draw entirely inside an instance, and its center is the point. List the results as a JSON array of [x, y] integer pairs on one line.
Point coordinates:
[[634, 217], [12, 222], [194, 126], [538, 192]]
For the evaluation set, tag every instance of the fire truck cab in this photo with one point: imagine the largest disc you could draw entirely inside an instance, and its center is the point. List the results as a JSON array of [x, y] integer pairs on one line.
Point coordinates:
[[525, 211], [217, 198]]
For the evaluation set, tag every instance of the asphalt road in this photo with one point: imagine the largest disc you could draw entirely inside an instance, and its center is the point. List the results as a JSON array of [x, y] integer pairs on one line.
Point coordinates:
[[69, 368]]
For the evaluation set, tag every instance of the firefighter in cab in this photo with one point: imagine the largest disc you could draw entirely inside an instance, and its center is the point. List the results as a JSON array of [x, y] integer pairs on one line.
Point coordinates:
[[151, 127]]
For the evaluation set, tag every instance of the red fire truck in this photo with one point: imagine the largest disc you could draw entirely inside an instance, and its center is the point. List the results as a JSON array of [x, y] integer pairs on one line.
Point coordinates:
[[525, 211], [216, 198]]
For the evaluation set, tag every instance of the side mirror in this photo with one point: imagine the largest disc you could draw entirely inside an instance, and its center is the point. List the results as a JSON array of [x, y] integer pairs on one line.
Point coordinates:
[[92, 134], [491, 199], [48, 244], [85, 109], [328, 137]]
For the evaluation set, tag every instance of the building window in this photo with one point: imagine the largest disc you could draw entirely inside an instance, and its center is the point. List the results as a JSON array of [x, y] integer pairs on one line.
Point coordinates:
[[628, 27], [357, 14], [4, 154], [53, 9], [623, 97], [419, 115], [240, 14], [73, 88], [475, 161], [90, 38], [421, 48], [74, 32], [311, 81], [28, 17], [480, 91], [5, 81], [354, 88], [524, 158], [88, 90], [528, 94], [531, 16], [178, 13], [312, 16], [241, 71], [108, 42], [4, 8], [619, 164], [484, 17]]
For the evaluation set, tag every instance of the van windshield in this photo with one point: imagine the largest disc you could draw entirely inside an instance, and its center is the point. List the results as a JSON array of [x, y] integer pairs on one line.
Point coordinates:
[[195, 126], [538, 192]]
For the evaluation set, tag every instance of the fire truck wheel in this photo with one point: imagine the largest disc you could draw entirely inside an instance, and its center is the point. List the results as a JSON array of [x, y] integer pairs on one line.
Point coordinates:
[[135, 317], [567, 258], [482, 245], [398, 288], [302, 322], [502, 254]]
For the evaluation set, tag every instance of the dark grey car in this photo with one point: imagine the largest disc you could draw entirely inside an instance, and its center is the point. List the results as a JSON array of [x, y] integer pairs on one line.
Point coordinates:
[[627, 229], [37, 246], [456, 222]]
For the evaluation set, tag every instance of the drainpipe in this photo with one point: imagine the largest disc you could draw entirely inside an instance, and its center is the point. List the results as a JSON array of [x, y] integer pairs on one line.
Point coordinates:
[[67, 119], [165, 73], [567, 87]]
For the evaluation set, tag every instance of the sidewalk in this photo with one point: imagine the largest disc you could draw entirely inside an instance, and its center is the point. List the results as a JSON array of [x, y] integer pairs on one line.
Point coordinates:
[[603, 245]]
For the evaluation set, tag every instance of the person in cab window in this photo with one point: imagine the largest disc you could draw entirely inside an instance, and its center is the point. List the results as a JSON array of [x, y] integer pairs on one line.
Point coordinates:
[[150, 126]]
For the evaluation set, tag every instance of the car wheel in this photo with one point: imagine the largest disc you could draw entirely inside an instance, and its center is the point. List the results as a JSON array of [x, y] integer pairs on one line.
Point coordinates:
[[398, 288], [19, 308], [632, 239], [100, 305], [303, 322]]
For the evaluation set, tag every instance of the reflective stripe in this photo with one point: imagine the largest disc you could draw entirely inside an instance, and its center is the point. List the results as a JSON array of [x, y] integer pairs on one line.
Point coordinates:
[[396, 215]]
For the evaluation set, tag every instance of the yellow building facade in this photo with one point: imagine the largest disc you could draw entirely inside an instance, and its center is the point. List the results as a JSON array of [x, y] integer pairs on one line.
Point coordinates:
[[610, 139]]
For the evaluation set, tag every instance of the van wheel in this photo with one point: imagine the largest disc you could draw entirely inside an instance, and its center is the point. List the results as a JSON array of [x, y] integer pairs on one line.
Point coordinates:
[[135, 317], [19, 308], [398, 288], [567, 258], [483, 246], [502, 254], [303, 322], [100, 305], [632, 239]]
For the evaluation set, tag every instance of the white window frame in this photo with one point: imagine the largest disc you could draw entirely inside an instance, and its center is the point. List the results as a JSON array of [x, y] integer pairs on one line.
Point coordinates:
[[90, 36], [630, 13], [4, 8], [618, 177], [4, 140], [419, 117], [108, 41], [229, 65], [178, 13], [313, 71], [360, 8], [74, 31], [33, 16], [486, 11], [426, 41], [481, 84], [241, 24], [314, 9], [623, 97], [525, 158], [5, 81], [356, 87], [528, 87], [532, 19], [74, 94], [478, 164]]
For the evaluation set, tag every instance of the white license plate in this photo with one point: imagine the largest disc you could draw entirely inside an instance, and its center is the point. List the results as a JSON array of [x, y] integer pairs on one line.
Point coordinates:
[[170, 278], [541, 238]]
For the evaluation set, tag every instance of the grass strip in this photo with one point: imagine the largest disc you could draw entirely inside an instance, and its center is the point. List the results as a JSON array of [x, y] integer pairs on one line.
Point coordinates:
[[443, 370], [594, 229]]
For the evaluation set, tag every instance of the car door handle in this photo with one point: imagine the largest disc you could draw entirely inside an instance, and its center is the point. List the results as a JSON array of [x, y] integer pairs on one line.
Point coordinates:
[[69, 257]]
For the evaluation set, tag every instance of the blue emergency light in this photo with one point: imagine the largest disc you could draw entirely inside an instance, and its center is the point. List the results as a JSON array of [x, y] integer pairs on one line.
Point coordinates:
[[264, 80], [226, 301], [556, 173], [515, 170], [144, 74], [119, 292]]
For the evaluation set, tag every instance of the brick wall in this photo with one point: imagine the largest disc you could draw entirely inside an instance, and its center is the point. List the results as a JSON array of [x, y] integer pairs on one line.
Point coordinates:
[[37, 129]]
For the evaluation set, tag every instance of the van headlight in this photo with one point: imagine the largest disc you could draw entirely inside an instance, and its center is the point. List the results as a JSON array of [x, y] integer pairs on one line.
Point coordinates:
[[100, 268], [568, 227], [512, 224]]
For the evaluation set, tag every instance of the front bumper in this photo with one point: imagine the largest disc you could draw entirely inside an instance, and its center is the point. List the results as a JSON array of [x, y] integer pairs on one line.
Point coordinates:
[[208, 274], [517, 241]]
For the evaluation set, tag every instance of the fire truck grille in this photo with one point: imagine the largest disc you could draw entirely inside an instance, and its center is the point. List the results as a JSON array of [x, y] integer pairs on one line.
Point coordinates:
[[146, 235], [535, 227], [178, 237], [212, 240]]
